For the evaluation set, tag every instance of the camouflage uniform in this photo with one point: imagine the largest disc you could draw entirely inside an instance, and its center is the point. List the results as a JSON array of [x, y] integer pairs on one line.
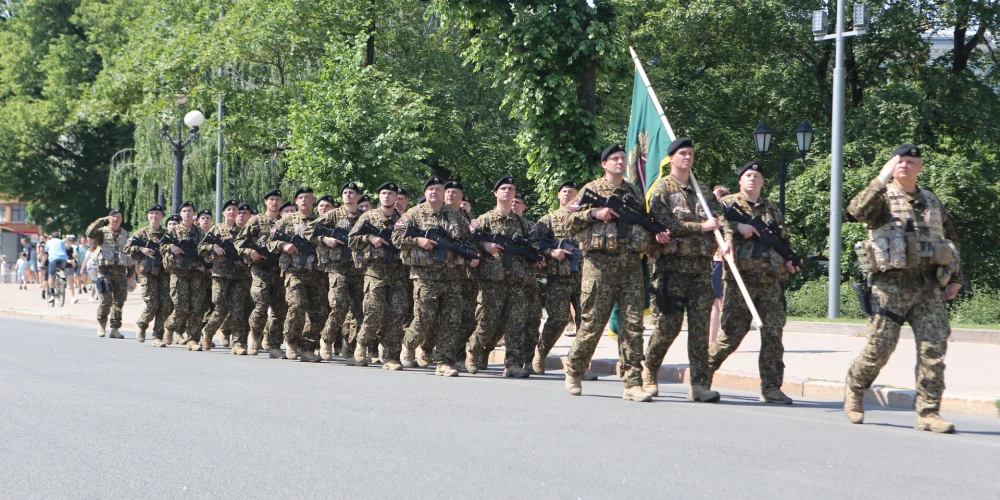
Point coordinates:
[[437, 286], [113, 262], [563, 285], [684, 273], [763, 276], [303, 291], [155, 282], [346, 282], [187, 285], [502, 307], [612, 272], [267, 289], [229, 288], [906, 281], [470, 290], [384, 289]]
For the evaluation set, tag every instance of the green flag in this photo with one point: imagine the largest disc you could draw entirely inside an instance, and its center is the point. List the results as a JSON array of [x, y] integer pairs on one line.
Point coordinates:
[[647, 141]]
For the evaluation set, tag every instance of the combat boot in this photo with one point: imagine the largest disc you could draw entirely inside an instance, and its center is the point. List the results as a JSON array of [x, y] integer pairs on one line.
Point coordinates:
[[424, 360], [589, 375], [141, 336], [930, 420], [158, 343], [637, 393], [252, 349], [649, 382], [483, 360], [309, 356], [573, 384], [374, 356], [515, 372], [225, 340], [325, 350], [445, 370], [168, 337], [703, 394], [275, 353], [406, 357], [238, 349], [206, 343], [854, 405], [291, 353], [392, 365], [265, 345], [192, 345], [538, 363], [775, 396], [461, 366], [101, 331], [470, 363], [115, 334], [358, 358]]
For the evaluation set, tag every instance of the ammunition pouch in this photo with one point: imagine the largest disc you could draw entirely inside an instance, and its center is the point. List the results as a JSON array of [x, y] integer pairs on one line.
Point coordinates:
[[102, 285]]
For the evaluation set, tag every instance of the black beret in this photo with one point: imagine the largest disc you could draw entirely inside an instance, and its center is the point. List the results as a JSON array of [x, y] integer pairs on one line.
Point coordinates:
[[402, 190], [750, 165], [188, 203], [286, 205], [205, 212], [303, 190], [610, 150], [350, 185], [174, 217], [453, 185], [114, 211], [230, 203], [505, 180], [325, 197], [465, 198], [432, 181], [680, 142], [156, 208], [365, 197], [391, 186], [518, 196], [253, 211], [571, 184], [273, 192], [907, 150], [243, 206]]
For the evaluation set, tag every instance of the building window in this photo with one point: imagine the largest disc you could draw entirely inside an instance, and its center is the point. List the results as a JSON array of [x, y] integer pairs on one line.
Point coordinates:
[[3, 213], [17, 212]]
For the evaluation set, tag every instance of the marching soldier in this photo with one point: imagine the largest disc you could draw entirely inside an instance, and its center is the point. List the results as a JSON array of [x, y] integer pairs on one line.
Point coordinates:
[[325, 203], [470, 283], [229, 294], [437, 289], [187, 285], [612, 272], [267, 289], [763, 276], [682, 276], [154, 279], [205, 222], [168, 336], [533, 291], [563, 287], [113, 263], [911, 254], [303, 292], [384, 286], [346, 283]]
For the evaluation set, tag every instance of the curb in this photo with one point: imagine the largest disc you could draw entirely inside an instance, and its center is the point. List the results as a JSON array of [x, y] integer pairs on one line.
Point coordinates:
[[962, 335]]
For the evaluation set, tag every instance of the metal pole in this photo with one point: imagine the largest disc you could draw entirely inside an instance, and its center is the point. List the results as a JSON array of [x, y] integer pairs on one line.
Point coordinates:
[[218, 163], [836, 174], [782, 172], [178, 169]]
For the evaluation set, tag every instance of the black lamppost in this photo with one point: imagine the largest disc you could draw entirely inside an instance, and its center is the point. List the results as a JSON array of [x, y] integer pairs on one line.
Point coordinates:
[[762, 143], [193, 120]]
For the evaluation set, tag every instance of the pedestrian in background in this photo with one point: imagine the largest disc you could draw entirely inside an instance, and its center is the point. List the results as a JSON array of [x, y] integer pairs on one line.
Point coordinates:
[[717, 266], [22, 267]]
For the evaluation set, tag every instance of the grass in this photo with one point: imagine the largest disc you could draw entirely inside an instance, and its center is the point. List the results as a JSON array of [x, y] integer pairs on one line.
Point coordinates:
[[854, 321]]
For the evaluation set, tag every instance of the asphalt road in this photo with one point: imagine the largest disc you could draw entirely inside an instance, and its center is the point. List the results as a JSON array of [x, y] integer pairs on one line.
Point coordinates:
[[83, 417]]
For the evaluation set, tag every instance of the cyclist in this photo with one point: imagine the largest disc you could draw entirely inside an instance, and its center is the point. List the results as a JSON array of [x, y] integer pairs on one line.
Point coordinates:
[[55, 248]]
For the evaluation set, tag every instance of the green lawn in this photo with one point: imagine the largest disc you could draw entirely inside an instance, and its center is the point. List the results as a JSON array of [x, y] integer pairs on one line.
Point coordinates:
[[861, 322]]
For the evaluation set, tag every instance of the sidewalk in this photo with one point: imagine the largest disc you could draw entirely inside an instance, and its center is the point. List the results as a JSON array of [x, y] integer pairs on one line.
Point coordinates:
[[817, 356]]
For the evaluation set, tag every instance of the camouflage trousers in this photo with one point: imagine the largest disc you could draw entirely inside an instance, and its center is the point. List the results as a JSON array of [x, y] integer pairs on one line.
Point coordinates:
[[383, 316], [207, 306], [113, 298], [229, 296], [924, 309], [502, 310], [769, 299], [345, 297], [437, 306], [562, 291], [187, 291], [268, 294], [304, 296], [608, 279], [156, 295], [314, 334], [470, 288], [691, 292]]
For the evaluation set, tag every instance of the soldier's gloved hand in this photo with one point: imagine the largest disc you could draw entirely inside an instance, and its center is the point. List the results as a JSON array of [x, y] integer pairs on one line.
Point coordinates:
[[747, 230], [218, 250], [663, 238], [330, 242], [952, 291]]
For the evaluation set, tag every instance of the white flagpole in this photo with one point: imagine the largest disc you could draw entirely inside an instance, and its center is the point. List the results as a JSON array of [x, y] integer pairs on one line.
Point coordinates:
[[697, 190]]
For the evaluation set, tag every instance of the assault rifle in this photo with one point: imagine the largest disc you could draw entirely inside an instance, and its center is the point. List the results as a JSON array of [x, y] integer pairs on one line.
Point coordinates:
[[337, 233], [575, 254], [443, 242], [629, 211], [512, 245], [770, 234], [270, 259], [227, 246], [389, 251], [155, 247], [303, 245], [189, 248]]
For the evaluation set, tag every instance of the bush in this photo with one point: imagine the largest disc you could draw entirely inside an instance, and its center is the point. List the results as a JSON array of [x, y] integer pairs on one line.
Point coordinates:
[[811, 299], [980, 307]]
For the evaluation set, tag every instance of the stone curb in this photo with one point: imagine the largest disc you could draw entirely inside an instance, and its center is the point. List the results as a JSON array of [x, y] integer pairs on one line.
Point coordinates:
[[963, 335]]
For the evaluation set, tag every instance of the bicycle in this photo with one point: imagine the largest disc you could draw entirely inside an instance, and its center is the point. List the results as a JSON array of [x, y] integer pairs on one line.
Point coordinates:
[[59, 289]]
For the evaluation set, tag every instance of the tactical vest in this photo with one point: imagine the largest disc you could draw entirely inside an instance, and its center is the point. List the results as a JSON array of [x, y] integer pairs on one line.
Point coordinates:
[[376, 256], [112, 250], [769, 262], [695, 245], [296, 224], [559, 222], [909, 241], [491, 268], [416, 256], [603, 236], [330, 257], [148, 265]]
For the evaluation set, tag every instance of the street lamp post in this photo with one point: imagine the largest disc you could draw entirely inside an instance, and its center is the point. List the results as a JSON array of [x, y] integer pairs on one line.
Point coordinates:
[[762, 136], [193, 120]]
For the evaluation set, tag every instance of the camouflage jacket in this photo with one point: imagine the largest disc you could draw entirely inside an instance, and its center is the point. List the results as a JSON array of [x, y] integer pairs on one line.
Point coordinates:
[[769, 265], [224, 232], [294, 224], [331, 259], [491, 267], [173, 262], [146, 264], [676, 206], [258, 230], [371, 259], [555, 225], [423, 264], [601, 237], [110, 244]]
